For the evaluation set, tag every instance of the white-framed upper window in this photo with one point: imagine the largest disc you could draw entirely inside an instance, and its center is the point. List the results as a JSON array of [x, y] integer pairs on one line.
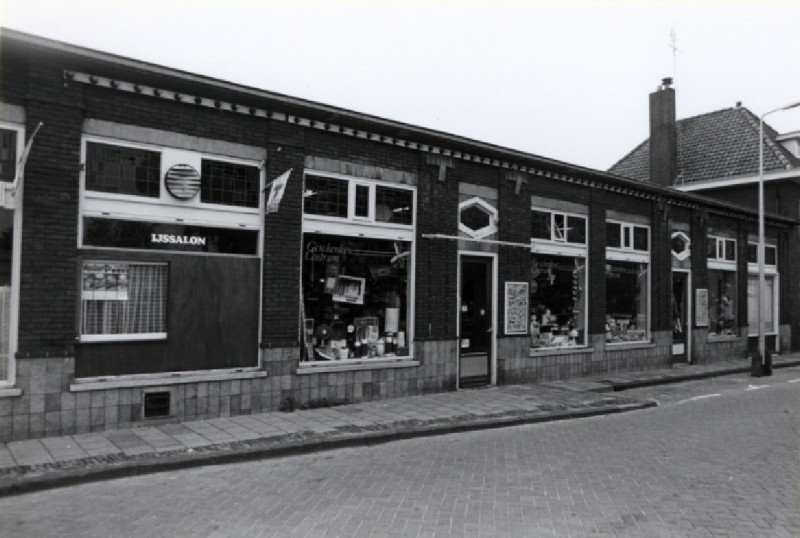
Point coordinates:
[[770, 255], [627, 237], [336, 197], [123, 300], [558, 227], [721, 249]]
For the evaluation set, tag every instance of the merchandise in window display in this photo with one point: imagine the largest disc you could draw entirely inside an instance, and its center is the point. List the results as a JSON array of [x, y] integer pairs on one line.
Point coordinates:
[[357, 288], [556, 299], [626, 302]]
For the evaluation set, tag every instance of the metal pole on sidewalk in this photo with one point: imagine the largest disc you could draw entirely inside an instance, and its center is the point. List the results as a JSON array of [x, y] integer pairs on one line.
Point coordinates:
[[765, 360]]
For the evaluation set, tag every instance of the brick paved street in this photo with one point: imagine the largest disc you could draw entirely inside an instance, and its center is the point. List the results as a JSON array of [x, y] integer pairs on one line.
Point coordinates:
[[698, 465]]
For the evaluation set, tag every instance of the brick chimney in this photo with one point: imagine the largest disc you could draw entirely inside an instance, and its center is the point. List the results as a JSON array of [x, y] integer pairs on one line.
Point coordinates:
[[663, 135]]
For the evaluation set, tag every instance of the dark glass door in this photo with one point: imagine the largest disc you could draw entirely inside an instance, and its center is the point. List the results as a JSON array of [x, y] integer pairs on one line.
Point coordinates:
[[475, 342], [679, 317]]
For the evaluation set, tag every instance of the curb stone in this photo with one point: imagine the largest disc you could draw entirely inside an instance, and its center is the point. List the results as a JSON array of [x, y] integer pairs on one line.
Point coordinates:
[[39, 477]]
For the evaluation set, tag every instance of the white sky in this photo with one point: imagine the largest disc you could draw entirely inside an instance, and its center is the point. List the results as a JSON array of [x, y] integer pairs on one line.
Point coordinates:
[[565, 80]]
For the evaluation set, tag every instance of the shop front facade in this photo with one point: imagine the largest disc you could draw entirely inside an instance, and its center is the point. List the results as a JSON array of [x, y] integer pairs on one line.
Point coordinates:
[[160, 285]]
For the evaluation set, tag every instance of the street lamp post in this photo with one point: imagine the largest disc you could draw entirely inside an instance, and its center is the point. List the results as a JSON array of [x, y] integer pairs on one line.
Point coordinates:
[[766, 366]]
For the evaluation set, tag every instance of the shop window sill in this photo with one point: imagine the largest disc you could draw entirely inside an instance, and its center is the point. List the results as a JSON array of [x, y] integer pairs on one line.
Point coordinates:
[[541, 352], [154, 380], [724, 338], [10, 392], [349, 365], [629, 345]]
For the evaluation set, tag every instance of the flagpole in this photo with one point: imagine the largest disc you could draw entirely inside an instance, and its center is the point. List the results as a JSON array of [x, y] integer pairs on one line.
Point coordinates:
[[23, 159]]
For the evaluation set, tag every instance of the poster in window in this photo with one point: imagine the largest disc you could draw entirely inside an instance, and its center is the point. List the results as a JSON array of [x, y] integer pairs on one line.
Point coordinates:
[[701, 307], [105, 281], [349, 289], [516, 308]]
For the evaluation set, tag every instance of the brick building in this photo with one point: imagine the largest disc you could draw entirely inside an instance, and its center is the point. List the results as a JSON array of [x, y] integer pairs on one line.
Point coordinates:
[[717, 155], [144, 279]]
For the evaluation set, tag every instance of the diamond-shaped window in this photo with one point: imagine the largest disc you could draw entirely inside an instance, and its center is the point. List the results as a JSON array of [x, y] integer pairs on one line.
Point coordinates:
[[680, 244], [477, 218]]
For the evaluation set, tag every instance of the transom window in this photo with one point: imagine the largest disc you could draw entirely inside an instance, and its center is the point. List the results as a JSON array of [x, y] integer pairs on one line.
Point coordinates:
[[8, 154], [229, 183], [558, 227], [627, 236], [770, 254], [123, 170], [357, 200], [721, 248]]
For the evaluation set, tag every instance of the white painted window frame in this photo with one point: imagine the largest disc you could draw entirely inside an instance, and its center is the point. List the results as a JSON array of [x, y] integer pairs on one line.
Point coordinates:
[[11, 204], [485, 206], [165, 208], [370, 229], [352, 219], [553, 247], [553, 238], [770, 272], [628, 254]]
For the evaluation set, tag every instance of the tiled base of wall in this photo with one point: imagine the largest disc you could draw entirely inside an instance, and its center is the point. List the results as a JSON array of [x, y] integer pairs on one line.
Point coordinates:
[[47, 407], [709, 351], [515, 366]]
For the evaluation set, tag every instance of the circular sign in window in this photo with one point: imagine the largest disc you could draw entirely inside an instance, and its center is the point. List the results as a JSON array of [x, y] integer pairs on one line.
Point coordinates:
[[182, 181]]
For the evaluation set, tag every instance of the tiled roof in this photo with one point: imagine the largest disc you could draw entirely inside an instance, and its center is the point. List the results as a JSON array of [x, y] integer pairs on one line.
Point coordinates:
[[714, 145]]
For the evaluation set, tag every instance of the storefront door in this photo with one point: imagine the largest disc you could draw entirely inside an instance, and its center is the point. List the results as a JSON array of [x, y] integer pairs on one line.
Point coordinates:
[[680, 311], [475, 321]]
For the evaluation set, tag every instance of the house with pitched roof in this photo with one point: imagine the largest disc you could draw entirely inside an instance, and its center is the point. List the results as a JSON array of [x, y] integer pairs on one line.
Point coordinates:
[[717, 154]]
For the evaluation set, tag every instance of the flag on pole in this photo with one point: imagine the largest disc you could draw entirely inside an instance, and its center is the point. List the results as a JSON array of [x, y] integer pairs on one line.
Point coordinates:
[[277, 187], [24, 158]]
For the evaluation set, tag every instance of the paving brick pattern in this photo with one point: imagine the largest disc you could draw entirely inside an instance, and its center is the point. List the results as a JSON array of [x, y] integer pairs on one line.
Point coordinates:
[[723, 466]]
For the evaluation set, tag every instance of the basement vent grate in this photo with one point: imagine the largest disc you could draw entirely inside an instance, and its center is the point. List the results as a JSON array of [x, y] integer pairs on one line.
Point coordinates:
[[156, 404]]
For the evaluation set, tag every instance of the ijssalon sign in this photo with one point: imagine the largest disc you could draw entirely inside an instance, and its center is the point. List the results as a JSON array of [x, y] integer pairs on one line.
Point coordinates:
[[178, 239], [118, 233]]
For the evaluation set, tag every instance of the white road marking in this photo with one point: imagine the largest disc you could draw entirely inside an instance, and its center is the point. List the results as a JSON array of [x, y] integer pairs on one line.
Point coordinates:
[[794, 380], [703, 397], [756, 387]]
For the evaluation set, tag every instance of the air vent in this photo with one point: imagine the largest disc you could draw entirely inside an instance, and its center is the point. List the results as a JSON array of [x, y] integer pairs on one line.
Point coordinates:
[[156, 404]]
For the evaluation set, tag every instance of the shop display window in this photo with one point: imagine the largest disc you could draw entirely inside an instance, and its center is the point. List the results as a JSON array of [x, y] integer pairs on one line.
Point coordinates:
[[557, 301], [355, 297], [626, 302], [122, 170], [722, 302], [121, 300], [769, 304]]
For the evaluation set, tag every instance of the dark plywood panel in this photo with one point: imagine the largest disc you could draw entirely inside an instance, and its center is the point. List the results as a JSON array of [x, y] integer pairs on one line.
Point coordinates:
[[212, 323]]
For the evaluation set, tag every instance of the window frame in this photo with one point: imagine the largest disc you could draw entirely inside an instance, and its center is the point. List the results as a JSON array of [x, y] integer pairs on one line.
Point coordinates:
[[720, 259], [167, 209], [352, 219], [770, 273], [122, 337], [553, 228], [627, 237], [371, 229], [628, 253]]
